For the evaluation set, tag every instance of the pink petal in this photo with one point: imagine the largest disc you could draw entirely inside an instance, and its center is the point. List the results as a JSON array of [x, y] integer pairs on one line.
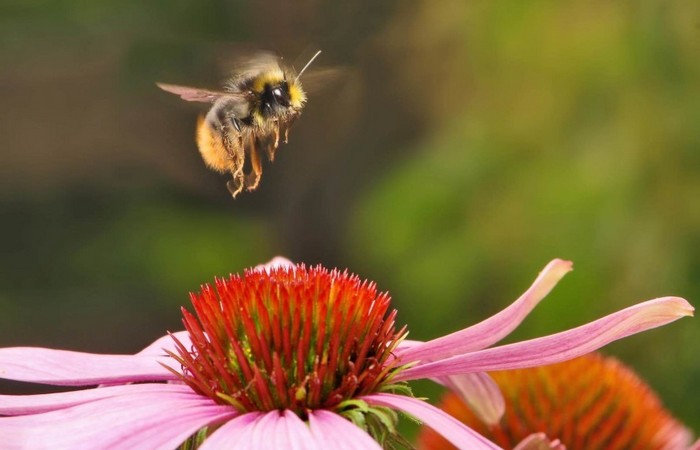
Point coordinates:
[[12, 405], [158, 347], [561, 346], [67, 368], [260, 431], [696, 446], [450, 428], [407, 344], [292, 433], [260, 436], [673, 437], [480, 393], [332, 431], [232, 435], [159, 421], [493, 329], [539, 441]]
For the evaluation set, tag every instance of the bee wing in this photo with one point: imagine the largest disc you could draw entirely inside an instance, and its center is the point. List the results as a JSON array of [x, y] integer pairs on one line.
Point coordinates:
[[315, 80], [245, 67], [199, 95]]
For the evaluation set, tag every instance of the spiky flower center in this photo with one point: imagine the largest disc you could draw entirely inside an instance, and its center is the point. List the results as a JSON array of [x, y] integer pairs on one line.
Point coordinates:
[[289, 338]]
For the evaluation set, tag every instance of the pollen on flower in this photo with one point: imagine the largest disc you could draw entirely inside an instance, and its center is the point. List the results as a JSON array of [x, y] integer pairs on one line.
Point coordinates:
[[589, 403], [292, 338]]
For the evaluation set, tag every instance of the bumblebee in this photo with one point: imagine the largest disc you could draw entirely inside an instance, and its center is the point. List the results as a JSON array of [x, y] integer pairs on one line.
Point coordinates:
[[256, 107]]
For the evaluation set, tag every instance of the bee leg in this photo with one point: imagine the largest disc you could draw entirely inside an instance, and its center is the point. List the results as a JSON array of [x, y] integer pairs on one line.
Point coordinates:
[[238, 159], [237, 155], [234, 185], [237, 173], [237, 183], [270, 149], [239, 135], [277, 134], [288, 125], [253, 179], [236, 152]]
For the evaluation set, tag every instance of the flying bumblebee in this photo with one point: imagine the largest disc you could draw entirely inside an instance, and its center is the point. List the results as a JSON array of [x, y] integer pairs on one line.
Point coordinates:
[[257, 106]]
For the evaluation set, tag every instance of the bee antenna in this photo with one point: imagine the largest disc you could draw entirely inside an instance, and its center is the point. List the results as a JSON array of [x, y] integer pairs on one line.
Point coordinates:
[[307, 65]]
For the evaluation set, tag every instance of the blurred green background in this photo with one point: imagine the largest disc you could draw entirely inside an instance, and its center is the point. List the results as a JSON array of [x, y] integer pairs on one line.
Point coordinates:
[[463, 146]]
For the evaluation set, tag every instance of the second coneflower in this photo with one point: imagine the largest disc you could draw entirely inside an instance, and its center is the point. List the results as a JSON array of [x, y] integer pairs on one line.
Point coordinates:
[[588, 403], [289, 357]]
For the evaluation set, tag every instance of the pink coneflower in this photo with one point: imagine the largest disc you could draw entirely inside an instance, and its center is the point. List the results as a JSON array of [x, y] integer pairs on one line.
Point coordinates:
[[289, 357], [590, 403]]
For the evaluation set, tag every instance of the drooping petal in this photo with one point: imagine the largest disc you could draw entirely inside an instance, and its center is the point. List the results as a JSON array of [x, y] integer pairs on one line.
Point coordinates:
[[450, 428], [67, 368], [539, 441], [481, 393], [333, 431], [159, 421], [560, 346], [493, 329], [158, 347], [13, 405]]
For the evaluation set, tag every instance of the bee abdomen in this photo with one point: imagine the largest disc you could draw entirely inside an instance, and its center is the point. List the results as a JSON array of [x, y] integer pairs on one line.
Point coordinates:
[[212, 144]]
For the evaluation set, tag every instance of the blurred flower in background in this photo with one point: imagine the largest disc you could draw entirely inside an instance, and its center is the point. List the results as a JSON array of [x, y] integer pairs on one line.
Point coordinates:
[[588, 403]]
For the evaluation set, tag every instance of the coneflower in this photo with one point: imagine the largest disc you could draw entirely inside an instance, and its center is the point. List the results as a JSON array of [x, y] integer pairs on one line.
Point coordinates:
[[286, 356]]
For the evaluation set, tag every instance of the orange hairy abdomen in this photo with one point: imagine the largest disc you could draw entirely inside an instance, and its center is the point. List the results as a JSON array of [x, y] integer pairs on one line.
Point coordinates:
[[212, 147]]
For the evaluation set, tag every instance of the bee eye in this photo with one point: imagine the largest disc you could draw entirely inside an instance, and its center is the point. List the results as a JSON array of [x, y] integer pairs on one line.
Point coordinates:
[[277, 92]]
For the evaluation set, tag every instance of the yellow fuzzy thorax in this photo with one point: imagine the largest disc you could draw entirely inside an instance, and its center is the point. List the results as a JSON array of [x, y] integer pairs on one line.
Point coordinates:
[[268, 77]]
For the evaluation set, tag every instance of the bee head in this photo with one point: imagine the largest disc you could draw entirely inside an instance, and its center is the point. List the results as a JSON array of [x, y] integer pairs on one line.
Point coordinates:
[[278, 98]]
